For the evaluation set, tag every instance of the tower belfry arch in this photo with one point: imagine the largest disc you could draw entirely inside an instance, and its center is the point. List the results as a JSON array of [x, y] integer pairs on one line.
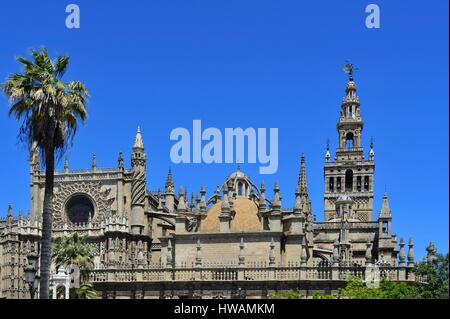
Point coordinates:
[[350, 172]]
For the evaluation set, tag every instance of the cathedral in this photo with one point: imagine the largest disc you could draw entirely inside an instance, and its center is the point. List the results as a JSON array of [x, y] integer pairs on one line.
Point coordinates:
[[238, 241]]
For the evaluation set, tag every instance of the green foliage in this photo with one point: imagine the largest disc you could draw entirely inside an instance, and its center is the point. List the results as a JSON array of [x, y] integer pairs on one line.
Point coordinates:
[[326, 296], [437, 282], [436, 285], [49, 110], [397, 290], [87, 291], [356, 289], [72, 250], [48, 107], [289, 294]]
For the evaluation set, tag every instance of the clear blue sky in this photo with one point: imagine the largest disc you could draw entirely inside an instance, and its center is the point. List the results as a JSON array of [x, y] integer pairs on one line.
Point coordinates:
[[162, 63]]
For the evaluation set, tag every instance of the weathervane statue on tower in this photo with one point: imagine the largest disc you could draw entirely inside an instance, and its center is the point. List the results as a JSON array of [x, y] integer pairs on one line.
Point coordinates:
[[349, 68]]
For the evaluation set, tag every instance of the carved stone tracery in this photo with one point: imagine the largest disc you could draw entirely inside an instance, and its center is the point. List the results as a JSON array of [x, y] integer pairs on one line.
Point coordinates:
[[94, 190]]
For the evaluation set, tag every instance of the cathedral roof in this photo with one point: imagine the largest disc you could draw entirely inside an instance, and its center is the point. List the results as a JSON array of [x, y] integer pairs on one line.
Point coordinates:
[[237, 174], [245, 219]]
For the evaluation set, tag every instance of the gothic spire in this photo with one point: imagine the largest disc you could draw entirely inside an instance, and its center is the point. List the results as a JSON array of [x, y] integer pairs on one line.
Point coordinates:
[[385, 211], [138, 143], [302, 202], [10, 211], [181, 201], [276, 202], [302, 183], [169, 180]]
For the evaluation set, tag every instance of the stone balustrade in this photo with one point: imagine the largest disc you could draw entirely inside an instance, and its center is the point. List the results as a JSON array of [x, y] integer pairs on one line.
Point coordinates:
[[245, 273]]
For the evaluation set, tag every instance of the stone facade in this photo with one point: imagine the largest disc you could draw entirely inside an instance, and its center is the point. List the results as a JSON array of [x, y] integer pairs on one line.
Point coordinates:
[[236, 243]]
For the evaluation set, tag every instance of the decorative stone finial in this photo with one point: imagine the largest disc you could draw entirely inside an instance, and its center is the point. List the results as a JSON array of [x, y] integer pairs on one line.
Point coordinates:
[[272, 253], [66, 166], [10, 211], [241, 252], [368, 252], [94, 162], [169, 183], [431, 253], [336, 253], [327, 154], [120, 164], [181, 201], [303, 256], [411, 253], [401, 255], [203, 203], [276, 202]]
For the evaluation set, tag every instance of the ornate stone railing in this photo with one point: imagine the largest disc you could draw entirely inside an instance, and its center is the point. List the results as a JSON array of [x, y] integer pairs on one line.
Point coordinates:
[[302, 273]]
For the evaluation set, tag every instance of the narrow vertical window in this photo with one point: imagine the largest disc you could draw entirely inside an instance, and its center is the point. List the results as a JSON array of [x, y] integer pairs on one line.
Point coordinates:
[[366, 183]]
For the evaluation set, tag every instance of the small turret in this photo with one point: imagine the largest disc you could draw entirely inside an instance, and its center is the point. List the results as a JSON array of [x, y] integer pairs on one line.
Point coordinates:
[[225, 212], [138, 184], [203, 199], [385, 218]]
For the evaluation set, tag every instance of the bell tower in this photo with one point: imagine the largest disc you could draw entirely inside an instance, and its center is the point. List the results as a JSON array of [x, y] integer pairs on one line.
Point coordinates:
[[350, 172]]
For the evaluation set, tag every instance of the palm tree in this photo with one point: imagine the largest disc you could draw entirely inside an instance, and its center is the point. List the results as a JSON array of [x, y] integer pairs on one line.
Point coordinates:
[[72, 250], [87, 291], [49, 110]]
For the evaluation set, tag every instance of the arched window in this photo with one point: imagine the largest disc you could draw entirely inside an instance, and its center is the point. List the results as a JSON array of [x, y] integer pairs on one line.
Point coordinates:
[[78, 209], [349, 140], [348, 180], [240, 189]]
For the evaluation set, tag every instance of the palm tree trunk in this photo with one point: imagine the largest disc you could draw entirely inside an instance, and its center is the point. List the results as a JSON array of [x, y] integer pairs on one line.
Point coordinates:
[[46, 253]]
